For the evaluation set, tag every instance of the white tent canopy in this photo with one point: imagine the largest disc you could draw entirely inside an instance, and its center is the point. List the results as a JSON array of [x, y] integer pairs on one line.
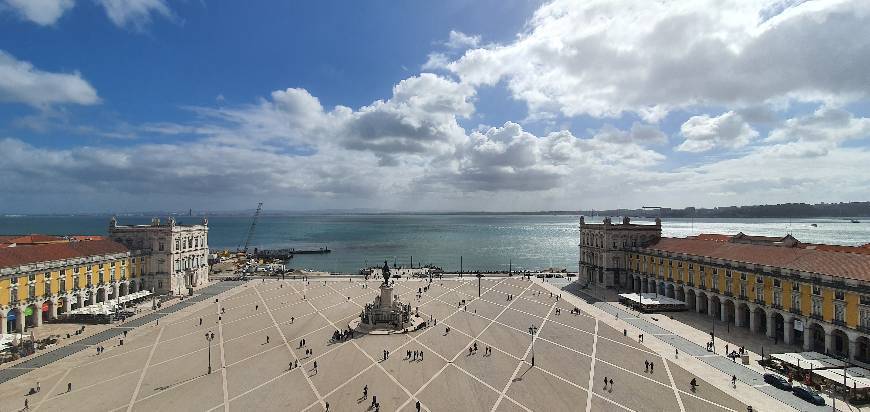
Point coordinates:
[[858, 378], [809, 360], [108, 307]]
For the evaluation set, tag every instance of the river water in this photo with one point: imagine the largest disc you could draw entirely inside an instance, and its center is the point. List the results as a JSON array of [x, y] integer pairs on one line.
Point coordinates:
[[485, 242]]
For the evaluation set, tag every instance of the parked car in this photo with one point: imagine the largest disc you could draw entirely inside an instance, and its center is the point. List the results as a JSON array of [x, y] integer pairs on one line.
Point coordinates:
[[777, 381], [808, 395]]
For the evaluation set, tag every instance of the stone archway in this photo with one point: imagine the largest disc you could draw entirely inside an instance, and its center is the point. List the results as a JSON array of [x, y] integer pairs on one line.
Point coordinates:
[[703, 305], [760, 320], [730, 311], [662, 289], [714, 307], [124, 289], [778, 326], [134, 286], [690, 299], [839, 343], [12, 320], [61, 305], [32, 315], [743, 314], [669, 290], [680, 294], [46, 309], [816, 338], [101, 294]]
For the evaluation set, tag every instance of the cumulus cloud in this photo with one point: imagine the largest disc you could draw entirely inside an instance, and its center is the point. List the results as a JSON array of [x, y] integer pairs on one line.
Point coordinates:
[[825, 124], [605, 58], [460, 40], [21, 82], [703, 133], [41, 12], [135, 13]]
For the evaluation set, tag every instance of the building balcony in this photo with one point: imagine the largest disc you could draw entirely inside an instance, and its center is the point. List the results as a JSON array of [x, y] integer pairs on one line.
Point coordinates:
[[730, 294], [795, 310], [679, 281], [702, 287], [690, 283], [760, 301], [865, 329], [817, 317], [742, 297], [714, 290], [776, 306], [838, 322]]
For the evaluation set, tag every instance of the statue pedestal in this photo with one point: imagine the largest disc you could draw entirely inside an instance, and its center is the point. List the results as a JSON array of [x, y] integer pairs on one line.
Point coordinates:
[[386, 296]]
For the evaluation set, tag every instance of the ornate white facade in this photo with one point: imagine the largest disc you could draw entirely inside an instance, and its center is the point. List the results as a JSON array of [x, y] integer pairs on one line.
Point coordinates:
[[175, 255]]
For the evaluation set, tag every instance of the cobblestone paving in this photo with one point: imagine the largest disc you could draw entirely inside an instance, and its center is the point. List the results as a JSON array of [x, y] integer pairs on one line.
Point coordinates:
[[165, 367]]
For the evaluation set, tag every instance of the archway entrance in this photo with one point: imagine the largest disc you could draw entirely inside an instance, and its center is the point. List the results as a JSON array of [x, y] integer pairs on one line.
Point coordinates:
[[715, 306], [101, 295], [669, 291], [743, 314], [862, 353], [729, 310], [703, 303], [817, 338], [61, 305], [690, 299], [840, 343], [45, 310], [12, 320], [778, 326], [760, 321], [30, 314], [680, 294]]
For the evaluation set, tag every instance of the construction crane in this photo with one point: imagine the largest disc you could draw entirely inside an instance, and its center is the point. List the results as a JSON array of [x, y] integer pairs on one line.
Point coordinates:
[[253, 226]]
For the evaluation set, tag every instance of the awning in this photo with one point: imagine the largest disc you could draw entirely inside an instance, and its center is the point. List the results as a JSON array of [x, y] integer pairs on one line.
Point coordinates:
[[809, 360], [856, 378]]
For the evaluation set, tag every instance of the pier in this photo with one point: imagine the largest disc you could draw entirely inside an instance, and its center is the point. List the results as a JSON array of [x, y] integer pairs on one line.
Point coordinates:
[[289, 252]]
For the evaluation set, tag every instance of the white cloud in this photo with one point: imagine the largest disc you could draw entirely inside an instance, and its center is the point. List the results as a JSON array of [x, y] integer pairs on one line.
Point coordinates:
[[460, 40], [41, 12], [825, 124], [604, 58], [22, 83], [703, 133], [436, 61], [135, 13]]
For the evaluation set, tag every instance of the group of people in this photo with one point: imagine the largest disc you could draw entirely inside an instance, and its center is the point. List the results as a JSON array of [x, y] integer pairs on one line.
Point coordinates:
[[416, 355], [341, 336]]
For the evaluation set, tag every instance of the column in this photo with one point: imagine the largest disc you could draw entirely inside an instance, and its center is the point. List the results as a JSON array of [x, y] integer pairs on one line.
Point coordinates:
[[829, 341], [753, 320], [808, 337], [116, 289], [37, 315], [67, 305], [697, 303], [19, 321], [52, 310], [92, 297], [723, 311], [3, 321], [771, 327], [788, 330], [853, 346], [80, 300], [739, 317]]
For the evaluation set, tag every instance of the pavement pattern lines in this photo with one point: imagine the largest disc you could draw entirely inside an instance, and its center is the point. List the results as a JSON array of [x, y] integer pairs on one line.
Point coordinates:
[[448, 378]]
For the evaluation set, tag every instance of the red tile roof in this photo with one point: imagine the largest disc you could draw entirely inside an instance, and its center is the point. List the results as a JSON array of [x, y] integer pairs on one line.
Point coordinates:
[[826, 262], [714, 237], [16, 256]]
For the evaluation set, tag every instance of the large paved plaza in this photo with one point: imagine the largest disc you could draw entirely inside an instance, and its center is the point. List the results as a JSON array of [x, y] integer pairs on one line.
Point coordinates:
[[164, 366]]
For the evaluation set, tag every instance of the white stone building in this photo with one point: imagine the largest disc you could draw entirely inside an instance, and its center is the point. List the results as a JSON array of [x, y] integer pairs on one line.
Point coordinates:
[[175, 256], [603, 260]]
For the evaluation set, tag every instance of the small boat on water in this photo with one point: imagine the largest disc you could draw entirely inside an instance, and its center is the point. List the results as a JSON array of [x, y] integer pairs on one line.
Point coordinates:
[[855, 221], [814, 225]]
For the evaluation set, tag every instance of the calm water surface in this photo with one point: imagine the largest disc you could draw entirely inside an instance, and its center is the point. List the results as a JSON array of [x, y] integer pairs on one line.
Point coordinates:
[[484, 242]]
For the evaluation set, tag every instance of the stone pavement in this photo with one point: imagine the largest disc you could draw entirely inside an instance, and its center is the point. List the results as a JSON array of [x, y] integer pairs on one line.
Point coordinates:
[[165, 367], [713, 368], [88, 342]]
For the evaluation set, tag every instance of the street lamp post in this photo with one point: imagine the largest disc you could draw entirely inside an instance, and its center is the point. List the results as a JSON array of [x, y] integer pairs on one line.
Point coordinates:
[[209, 336], [479, 276]]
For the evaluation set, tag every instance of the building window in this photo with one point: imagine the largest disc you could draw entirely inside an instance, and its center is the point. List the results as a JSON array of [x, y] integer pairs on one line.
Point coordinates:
[[865, 318], [817, 307], [727, 273], [777, 298], [62, 283], [743, 290], [160, 246], [123, 273], [100, 266], [715, 284], [839, 312], [776, 283], [742, 276], [13, 295], [817, 290], [728, 287], [865, 300], [759, 279], [159, 284], [90, 267], [839, 295], [31, 291], [703, 280], [90, 280], [31, 277], [76, 269], [759, 293], [796, 301], [47, 283]]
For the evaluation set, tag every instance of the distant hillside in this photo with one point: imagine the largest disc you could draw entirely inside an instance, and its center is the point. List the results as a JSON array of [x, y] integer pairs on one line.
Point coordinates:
[[795, 210]]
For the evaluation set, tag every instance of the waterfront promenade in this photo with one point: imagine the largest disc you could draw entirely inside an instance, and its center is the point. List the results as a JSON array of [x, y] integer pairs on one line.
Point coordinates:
[[259, 326]]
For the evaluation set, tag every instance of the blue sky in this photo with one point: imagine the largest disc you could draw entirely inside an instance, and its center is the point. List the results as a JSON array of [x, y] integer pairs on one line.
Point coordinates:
[[121, 105]]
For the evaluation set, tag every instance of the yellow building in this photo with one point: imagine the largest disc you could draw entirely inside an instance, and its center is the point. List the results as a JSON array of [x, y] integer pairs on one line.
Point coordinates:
[[810, 295], [40, 281]]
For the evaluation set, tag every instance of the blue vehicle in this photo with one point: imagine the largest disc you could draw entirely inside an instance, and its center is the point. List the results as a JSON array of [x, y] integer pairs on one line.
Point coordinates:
[[808, 395], [777, 381]]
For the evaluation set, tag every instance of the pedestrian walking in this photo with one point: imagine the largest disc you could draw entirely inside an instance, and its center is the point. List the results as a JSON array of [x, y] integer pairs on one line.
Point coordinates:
[[651, 367], [37, 386], [677, 353], [418, 406], [27, 404], [734, 381], [315, 365], [200, 321], [646, 365], [327, 406], [605, 382], [256, 307], [69, 387], [365, 392], [267, 339], [421, 356], [611, 384]]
